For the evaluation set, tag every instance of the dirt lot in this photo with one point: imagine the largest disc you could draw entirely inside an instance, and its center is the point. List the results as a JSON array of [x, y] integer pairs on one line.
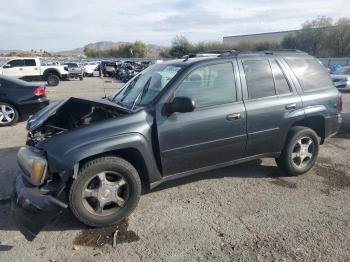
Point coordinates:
[[245, 212]]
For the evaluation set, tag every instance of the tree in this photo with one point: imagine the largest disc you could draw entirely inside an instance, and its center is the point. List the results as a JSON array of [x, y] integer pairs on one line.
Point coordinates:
[[180, 47], [340, 37]]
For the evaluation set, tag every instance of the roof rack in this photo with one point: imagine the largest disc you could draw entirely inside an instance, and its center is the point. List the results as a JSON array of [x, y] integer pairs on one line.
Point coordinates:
[[209, 53], [282, 50], [229, 53]]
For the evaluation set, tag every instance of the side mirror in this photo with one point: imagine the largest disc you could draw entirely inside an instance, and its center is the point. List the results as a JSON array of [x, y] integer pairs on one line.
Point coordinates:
[[181, 105], [7, 66]]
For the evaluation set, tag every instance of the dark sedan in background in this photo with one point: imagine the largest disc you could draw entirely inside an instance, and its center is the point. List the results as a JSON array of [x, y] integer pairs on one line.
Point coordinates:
[[19, 99]]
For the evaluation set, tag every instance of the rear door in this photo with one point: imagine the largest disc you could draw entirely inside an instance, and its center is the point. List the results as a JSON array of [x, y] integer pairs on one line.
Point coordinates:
[[271, 101], [30, 69], [215, 132], [15, 68]]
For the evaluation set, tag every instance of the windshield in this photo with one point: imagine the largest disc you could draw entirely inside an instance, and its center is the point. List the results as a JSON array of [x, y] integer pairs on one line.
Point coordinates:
[[145, 86], [2, 62], [343, 71]]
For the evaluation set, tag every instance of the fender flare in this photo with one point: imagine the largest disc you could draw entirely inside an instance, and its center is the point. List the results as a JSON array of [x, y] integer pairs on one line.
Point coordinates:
[[50, 71], [70, 159]]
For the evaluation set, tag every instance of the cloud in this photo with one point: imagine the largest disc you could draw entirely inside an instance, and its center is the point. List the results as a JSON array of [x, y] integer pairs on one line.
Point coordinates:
[[67, 24]]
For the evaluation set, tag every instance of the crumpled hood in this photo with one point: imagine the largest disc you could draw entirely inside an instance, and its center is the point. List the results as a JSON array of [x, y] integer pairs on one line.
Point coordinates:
[[37, 120]]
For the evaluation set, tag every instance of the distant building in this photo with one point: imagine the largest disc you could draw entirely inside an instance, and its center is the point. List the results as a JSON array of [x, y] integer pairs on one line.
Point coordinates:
[[276, 37]]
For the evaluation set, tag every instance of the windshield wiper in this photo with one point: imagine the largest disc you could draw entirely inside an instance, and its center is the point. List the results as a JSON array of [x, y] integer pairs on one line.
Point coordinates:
[[142, 93]]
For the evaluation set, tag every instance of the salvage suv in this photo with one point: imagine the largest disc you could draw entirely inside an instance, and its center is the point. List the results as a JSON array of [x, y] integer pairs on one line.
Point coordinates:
[[172, 120]]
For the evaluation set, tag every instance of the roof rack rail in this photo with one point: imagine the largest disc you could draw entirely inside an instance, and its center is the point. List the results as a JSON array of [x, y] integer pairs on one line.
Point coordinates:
[[232, 52], [282, 50]]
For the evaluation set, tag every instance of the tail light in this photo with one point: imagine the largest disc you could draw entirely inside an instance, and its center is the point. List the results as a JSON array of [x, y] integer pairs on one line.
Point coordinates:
[[340, 102], [40, 91]]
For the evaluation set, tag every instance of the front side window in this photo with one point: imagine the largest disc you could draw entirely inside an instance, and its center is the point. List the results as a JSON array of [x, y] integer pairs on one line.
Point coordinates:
[[259, 78], [310, 73], [209, 85], [16, 63]]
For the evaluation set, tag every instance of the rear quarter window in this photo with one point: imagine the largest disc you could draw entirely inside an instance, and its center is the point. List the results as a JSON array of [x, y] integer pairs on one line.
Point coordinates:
[[310, 73]]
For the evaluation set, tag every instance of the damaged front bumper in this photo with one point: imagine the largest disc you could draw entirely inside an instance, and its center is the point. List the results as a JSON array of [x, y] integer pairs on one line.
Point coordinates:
[[32, 209]]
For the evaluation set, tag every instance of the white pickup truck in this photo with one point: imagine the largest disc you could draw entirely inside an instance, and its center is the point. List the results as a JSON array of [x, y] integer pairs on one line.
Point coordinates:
[[30, 69]]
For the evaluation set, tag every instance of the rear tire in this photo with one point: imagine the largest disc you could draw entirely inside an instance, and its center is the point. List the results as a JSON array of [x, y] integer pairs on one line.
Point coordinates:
[[53, 80], [300, 151], [8, 114], [125, 187]]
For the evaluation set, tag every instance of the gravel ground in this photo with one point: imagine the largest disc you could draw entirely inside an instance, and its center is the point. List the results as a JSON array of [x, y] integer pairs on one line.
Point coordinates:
[[245, 212]]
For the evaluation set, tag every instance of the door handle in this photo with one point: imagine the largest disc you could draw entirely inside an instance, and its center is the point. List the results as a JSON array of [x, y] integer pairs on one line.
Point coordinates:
[[234, 116], [291, 106], [21, 69]]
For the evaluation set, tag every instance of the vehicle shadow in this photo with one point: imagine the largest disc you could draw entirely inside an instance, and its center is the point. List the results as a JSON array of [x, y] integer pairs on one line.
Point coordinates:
[[252, 169]]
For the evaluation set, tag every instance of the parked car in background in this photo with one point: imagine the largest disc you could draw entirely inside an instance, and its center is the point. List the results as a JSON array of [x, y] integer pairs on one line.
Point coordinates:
[[75, 70], [89, 68], [172, 120], [30, 69], [334, 67], [341, 78], [19, 99]]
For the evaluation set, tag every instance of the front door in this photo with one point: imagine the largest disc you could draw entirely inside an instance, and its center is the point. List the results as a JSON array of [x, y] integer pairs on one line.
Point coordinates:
[[14, 68], [215, 132]]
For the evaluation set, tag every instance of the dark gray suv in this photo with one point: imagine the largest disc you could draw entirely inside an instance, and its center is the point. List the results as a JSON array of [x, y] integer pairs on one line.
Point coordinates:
[[172, 120]]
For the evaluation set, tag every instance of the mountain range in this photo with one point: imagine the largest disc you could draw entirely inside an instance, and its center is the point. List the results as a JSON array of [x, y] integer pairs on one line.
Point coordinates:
[[102, 45]]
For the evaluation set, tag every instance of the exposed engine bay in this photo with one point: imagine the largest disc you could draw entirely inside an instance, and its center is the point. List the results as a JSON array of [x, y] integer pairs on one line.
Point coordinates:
[[74, 113]]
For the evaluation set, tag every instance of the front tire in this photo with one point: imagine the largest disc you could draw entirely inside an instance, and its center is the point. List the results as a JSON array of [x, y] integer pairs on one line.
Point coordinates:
[[300, 152], [106, 191], [8, 114]]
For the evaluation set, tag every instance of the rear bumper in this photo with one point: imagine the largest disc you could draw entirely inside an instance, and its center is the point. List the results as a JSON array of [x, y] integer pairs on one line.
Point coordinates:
[[31, 209], [333, 124], [71, 75], [31, 107]]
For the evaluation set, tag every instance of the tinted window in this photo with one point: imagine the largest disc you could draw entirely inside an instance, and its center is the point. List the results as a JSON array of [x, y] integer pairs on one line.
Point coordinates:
[[72, 65], [210, 85], [16, 63], [29, 62], [281, 83], [259, 78], [310, 72]]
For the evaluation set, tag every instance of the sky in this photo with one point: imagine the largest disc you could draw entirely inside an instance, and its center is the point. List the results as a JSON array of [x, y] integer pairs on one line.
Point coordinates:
[[67, 24]]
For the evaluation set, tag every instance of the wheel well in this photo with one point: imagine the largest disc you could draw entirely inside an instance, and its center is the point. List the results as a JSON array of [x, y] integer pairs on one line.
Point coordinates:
[[12, 104], [51, 72], [131, 155], [316, 123]]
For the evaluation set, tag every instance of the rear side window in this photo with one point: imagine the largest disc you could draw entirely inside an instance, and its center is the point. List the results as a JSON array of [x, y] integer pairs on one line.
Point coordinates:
[[16, 63], [259, 78], [210, 85], [310, 73], [29, 62], [281, 83]]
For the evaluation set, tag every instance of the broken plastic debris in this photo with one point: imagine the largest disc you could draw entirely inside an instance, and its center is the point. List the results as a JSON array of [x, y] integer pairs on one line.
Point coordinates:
[[76, 247], [115, 235]]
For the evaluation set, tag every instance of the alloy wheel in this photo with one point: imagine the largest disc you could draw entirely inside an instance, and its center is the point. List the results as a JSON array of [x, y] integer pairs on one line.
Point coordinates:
[[105, 193], [303, 152], [7, 114]]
